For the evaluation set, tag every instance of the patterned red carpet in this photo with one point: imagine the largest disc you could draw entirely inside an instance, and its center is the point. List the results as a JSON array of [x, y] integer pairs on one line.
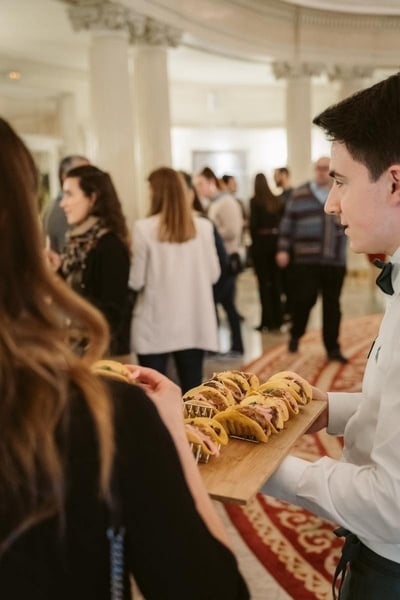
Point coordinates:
[[299, 549]]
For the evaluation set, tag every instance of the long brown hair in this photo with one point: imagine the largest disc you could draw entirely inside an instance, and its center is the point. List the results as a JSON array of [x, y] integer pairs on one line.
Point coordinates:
[[169, 200], [263, 195], [38, 369], [107, 206]]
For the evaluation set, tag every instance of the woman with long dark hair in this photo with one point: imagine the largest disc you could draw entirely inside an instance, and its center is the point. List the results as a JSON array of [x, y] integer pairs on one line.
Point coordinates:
[[82, 461], [96, 258], [266, 211]]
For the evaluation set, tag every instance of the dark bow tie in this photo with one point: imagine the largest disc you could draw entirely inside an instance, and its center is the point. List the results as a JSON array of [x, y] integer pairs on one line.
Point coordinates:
[[384, 279]]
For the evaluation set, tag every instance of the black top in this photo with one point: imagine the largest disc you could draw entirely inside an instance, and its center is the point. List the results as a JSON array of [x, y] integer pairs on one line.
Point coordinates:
[[105, 284], [263, 221], [170, 552]]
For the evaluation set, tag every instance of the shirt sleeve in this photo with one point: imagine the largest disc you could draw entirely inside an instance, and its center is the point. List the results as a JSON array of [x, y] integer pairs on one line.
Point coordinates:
[[361, 497], [166, 535], [342, 406]]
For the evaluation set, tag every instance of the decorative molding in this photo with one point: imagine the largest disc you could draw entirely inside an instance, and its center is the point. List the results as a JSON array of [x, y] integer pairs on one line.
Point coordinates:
[[146, 30], [294, 70], [338, 20], [106, 14], [98, 14], [349, 72]]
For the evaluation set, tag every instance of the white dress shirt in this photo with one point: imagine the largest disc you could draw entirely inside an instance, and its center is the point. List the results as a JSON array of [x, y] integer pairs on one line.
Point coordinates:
[[361, 492], [175, 307]]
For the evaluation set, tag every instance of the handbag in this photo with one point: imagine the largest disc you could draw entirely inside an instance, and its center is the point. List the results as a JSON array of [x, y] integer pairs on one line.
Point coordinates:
[[235, 264]]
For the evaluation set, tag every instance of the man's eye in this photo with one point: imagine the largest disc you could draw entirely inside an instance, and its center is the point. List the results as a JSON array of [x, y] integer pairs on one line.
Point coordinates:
[[338, 183]]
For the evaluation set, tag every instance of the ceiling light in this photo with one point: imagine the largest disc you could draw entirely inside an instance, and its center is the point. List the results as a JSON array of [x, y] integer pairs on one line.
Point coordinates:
[[14, 75]]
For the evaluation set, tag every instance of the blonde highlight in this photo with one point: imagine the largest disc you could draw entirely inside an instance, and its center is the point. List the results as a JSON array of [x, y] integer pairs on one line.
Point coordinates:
[[38, 367]]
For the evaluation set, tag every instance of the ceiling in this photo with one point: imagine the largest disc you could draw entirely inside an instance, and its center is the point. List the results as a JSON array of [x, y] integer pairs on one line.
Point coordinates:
[[224, 41], [366, 7]]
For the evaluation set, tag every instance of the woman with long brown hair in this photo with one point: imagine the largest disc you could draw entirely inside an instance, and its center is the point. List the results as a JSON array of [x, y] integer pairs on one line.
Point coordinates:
[[81, 460], [266, 211], [96, 259], [174, 267]]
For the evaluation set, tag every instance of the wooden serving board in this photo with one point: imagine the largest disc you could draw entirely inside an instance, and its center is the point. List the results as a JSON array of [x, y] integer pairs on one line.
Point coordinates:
[[243, 467]]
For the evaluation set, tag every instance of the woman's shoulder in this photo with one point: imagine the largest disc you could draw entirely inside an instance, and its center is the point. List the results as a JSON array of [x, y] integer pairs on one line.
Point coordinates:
[[203, 224], [111, 243], [146, 225], [134, 412], [146, 222]]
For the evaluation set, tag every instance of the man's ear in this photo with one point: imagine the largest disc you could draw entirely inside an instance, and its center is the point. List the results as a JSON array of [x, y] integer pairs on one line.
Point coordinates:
[[394, 184]]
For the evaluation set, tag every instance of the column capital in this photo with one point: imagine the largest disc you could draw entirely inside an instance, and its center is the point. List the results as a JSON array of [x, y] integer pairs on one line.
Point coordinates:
[[146, 30], [95, 15], [349, 72], [294, 70]]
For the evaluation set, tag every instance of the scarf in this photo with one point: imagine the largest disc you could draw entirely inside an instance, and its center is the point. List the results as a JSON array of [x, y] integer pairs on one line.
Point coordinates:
[[80, 240]]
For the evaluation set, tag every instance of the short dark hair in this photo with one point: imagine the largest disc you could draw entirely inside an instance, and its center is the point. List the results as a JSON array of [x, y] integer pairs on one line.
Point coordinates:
[[368, 124], [69, 162], [226, 178], [210, 175], [283, 171]]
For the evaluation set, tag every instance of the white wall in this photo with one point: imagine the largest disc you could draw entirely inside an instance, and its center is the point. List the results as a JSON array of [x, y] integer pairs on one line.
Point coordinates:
[[265, 149]]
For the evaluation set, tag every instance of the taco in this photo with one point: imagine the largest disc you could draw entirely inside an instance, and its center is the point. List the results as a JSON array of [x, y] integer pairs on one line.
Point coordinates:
[[112, 369], [250, 422], [274, 410], [210, 427], [245, 381], [280, 390], [231, 385], [300, 386], [214, 393], [272, 399], [202, 444]]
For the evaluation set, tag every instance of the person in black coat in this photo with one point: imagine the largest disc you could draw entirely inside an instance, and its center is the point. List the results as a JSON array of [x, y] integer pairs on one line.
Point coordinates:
[[96, 259], [265, 214]]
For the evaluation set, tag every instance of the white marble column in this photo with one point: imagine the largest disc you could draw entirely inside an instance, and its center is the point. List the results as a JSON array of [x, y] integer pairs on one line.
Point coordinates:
[[111, 105], [298, 116], [68, 125], [352, 78], [150, 85]]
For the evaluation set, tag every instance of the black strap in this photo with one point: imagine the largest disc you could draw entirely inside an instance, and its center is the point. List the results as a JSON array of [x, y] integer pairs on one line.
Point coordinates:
[[116, 535], [350, 551]]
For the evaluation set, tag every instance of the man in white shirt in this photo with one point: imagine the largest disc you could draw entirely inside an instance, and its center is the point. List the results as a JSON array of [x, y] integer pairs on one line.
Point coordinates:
[[361, 492], [225, 213]]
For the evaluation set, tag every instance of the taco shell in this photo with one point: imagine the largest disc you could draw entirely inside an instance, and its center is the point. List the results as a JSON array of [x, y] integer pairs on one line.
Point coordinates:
[[210, 427], [238, 424], [112, 369]]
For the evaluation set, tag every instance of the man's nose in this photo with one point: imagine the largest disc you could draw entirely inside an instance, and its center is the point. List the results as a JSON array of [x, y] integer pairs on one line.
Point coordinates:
[[332, 206]]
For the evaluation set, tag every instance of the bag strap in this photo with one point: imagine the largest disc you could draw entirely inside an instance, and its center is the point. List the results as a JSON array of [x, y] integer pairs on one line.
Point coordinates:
[[116, 535]]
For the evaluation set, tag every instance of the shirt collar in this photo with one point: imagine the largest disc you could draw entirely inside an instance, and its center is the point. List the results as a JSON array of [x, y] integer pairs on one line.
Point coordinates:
[[320, 193]]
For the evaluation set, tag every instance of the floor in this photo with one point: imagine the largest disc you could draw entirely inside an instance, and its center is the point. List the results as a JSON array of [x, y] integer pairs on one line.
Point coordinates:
[[360, 296]]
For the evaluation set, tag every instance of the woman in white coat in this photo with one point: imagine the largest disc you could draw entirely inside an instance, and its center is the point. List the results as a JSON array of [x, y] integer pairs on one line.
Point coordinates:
[[174, 267]]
